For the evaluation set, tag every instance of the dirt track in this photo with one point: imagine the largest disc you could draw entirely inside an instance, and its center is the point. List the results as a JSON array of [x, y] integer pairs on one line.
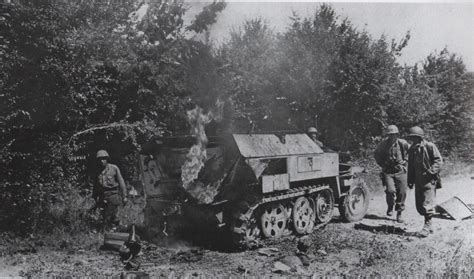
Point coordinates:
[[376, 246]]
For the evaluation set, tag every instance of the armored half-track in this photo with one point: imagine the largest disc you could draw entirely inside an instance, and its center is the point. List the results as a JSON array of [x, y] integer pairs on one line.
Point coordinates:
[[251, 185]]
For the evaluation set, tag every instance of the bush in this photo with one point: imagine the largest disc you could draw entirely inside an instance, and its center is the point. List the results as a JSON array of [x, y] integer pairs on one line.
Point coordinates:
[[456, 164], [78, 76], [71, 212]]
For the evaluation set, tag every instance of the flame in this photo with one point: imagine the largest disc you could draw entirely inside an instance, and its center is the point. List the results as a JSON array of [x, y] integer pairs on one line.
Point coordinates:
[[204, 194], [197, 155]]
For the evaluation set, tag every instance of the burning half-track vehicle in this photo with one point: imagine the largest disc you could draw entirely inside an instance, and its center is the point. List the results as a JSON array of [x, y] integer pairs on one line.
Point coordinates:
[[252, 185]]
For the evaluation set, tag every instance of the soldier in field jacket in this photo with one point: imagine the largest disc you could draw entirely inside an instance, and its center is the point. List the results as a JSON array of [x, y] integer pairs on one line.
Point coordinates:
[[392, 156], [424, 165]]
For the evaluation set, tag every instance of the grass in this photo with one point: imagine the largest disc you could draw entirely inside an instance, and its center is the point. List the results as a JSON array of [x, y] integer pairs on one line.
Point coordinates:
[[455, 166]]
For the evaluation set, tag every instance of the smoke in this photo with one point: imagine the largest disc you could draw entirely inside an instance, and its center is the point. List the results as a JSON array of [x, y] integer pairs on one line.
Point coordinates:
[[197, 155], [138, 15]]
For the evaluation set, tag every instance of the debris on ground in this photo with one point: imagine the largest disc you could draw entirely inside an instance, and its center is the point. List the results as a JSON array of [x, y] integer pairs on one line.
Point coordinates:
[[242, 269], [456, 208], [322, 252], [130, 250], [305, 259], [373, 249], [115, 240], [301, 271], [191, 255], [135, 275], [292, 261], [269, 252], [132, 264], [153, 254], [303, 244], [279, 267], [80, 262], [290, 264]]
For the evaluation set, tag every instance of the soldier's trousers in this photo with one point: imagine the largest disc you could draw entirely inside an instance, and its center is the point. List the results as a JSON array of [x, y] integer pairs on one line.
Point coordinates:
[[112, 201], [425, 195], [396, 188]]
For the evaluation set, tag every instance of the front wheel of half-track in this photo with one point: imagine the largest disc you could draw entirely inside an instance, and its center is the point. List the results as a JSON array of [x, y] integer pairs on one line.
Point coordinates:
[[354, 205], [244, 226]]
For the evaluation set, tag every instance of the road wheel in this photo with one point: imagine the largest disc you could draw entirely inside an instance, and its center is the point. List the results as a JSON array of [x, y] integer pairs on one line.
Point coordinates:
[[244, 226], [355, 204], [303, 215], [273, 221], [324, 206]]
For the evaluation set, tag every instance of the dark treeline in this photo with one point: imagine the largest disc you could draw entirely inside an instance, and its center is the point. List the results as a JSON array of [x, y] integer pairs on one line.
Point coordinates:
[[81, 75]]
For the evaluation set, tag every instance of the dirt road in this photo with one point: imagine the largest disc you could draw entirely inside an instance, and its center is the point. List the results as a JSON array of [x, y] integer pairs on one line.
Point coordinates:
[[376, 246]]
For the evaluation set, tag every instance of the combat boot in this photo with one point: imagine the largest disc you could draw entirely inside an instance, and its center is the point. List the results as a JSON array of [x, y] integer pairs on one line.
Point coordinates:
[[390, 198], [429, 225], [400, 218], [427, 228]]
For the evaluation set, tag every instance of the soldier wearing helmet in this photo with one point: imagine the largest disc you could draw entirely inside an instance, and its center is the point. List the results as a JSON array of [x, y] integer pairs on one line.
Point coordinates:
[[424, 165], [392, 156], [313, 134], [109, 190]]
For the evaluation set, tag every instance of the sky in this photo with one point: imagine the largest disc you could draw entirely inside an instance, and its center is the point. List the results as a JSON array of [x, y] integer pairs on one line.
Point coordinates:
[[433, 26]]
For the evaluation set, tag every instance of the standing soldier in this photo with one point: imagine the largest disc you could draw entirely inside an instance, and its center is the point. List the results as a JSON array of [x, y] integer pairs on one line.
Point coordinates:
[[392, 156], [424, 165], [106, 189], [313, 134]]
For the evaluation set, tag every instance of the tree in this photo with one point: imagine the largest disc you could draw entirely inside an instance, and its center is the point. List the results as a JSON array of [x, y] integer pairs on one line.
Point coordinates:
[[308, 49], [446, 75], [412, 102], [362, 74], [320, 71], [248, 61], [78, 76]]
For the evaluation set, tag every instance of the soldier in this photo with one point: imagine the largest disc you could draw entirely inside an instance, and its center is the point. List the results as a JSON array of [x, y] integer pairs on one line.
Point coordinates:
[[424, 164], [106, 189], [313, 134], [392, 156]]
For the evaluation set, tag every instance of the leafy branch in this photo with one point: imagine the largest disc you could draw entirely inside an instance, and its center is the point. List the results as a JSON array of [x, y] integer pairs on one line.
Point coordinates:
[[114, 125]]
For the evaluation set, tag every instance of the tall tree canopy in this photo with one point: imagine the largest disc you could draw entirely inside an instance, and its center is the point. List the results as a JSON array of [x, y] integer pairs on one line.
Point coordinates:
[[76, 76], [81, 75]]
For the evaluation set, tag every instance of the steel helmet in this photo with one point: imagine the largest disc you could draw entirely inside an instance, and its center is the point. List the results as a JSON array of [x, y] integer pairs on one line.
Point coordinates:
[[312, 130], [102, 154], [392, 129], [415, 131]]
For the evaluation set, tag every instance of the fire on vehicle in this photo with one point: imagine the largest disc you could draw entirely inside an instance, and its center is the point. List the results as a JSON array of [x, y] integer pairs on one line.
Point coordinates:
[[263, 185]]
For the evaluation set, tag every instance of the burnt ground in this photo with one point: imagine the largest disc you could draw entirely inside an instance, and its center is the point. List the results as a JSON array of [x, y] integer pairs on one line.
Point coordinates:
[[375, 246]]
